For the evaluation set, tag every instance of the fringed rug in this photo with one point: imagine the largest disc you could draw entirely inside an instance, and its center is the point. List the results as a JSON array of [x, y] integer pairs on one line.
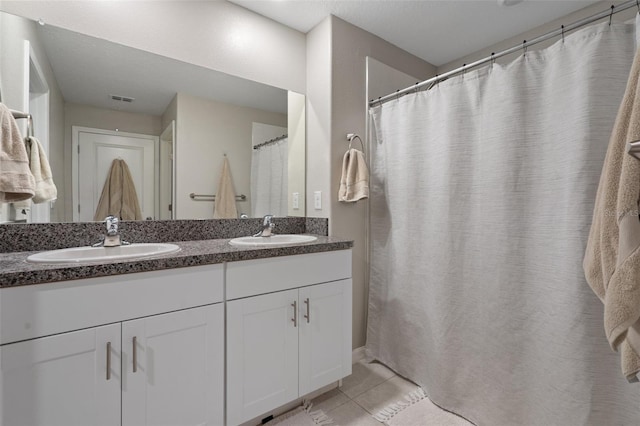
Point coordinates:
[[302, 416], [417, 410]]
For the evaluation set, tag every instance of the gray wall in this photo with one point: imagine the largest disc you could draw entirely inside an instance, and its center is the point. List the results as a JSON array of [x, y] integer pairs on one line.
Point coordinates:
[[337, 105]]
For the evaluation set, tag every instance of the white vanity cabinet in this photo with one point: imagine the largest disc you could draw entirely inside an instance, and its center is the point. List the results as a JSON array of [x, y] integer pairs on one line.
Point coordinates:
[[62, 379], [96, 374], [288, 329], [172, 368]]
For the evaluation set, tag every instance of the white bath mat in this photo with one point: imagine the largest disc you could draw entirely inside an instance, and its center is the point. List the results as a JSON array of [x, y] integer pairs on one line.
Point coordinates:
[[302, 416], [417, 410]]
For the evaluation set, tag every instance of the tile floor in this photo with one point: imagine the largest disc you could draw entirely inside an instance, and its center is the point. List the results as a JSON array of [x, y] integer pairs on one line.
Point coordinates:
[[369, 389]]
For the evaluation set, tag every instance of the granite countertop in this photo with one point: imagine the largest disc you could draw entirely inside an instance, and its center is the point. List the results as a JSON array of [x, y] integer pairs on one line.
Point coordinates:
[[16, 271]]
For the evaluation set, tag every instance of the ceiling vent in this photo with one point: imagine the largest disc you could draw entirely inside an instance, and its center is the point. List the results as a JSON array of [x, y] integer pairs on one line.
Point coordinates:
[[122, 98]]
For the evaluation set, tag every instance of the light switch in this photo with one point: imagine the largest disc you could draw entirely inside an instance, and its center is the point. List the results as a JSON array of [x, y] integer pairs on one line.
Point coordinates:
[[317, 200], [296, 200]]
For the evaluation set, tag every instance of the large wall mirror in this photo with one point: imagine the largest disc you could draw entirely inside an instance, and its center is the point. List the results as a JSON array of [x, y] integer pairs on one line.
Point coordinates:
[[172, 123]]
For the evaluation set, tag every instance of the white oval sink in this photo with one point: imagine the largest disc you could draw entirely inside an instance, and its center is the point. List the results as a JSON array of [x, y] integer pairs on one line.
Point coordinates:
[[102, 254], [274, 240]]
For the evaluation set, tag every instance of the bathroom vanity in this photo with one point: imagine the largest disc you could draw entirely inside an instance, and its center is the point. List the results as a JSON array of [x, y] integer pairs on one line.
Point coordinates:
[[154, 347]]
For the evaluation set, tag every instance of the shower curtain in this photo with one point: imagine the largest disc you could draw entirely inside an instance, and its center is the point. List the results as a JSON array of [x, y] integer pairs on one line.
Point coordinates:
[[269, 179], [482, 191]]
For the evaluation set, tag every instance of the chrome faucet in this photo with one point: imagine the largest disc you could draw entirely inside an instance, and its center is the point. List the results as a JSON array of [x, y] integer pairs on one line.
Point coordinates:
[[112, 238], [267, 227]]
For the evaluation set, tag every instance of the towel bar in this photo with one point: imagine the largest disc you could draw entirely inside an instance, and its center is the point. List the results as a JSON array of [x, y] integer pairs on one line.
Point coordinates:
[[199, 197], [19, 114]]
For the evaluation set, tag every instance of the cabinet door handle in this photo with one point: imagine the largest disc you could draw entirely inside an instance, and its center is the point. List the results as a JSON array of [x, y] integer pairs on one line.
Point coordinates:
[[108, 360], [135, 354], [295, 313], [308, 316]]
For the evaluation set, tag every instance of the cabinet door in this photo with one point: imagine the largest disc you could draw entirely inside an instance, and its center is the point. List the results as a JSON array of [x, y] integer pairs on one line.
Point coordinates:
[[179, 368], [262, 354], [62, 380], [325, 334]]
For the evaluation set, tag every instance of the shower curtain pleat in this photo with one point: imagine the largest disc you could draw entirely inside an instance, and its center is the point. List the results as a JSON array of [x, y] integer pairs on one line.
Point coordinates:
[[482, 191]]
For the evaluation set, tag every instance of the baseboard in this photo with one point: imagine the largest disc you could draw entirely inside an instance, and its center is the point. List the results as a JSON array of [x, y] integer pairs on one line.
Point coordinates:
[[358, 355]]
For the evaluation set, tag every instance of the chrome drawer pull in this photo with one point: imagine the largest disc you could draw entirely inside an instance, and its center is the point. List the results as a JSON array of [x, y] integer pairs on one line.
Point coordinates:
[[295, 313], [108, 360], [308, 316]]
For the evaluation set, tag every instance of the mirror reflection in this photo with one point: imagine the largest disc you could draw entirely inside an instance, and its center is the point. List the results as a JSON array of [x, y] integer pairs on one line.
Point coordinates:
[[97, 105]]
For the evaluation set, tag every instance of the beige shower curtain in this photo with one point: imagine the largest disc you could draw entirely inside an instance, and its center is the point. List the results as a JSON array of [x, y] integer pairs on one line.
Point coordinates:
[[482, 190]]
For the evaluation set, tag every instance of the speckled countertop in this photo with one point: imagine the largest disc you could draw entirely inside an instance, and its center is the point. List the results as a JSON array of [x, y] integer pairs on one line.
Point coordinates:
[[16, 271]]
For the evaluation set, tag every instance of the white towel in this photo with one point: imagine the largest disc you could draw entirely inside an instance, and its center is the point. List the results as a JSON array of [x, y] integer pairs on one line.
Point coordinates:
[[39, 164], [16, 181], [354, 184], [612, 258], [225, 204]]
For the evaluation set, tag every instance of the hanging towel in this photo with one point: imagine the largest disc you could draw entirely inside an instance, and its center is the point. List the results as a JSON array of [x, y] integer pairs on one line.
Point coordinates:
[[39, 164], [16, 180], [45, 189], [225, 204], [612, 259], [119, 197], [354, 183]]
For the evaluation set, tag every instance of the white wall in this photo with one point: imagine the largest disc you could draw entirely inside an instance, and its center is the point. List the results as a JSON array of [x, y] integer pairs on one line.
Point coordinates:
[[214, 34], [318, 115], [296, 130], [14, 88], [207, 130], [383, 79]]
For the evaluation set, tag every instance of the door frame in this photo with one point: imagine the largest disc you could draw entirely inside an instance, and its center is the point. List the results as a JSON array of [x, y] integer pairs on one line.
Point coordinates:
[[169, 130], [38, 103], [75, 158]]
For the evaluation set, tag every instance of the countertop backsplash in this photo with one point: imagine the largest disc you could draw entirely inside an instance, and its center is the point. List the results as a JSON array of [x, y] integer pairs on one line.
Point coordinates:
[[51, 236]]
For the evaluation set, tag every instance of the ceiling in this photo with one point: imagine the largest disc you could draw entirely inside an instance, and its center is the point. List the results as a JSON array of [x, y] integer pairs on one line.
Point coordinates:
[[437, 31]]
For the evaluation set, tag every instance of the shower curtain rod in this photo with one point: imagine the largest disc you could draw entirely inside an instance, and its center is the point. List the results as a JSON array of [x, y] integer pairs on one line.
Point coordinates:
[[551, 34], [261, 144]]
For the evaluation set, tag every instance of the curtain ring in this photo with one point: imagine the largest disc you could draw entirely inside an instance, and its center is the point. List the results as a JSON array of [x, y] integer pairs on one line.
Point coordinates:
[[493, 59], [562, 27], [397, 94], [524, 48], [611, 14], [463, 69], [416, 90]]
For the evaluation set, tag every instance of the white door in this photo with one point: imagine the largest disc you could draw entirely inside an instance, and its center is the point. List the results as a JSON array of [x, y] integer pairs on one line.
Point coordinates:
[[325, 334], [262, 354], [97, 150], [179, 368], [62, 380]]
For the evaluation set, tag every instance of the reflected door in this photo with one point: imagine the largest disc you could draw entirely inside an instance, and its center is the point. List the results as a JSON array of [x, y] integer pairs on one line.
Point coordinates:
[[96, 151]]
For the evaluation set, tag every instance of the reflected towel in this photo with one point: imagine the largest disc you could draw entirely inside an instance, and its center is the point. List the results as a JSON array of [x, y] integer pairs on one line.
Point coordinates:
[[354, 183], [39, 164], [612, 258], [225, 204], [16, 181], [119, 197]]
